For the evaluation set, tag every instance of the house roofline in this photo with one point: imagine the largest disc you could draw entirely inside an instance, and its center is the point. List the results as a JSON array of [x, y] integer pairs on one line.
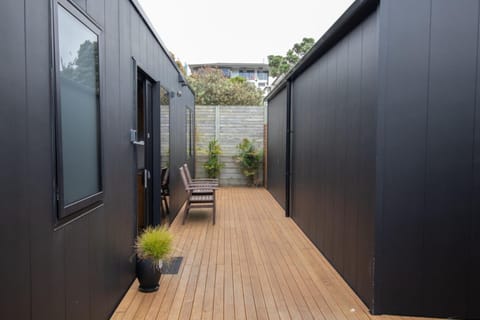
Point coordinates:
[[150, 26]]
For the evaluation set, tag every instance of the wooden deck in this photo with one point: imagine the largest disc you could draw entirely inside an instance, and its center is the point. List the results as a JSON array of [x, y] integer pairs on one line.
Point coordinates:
[[253, 264]]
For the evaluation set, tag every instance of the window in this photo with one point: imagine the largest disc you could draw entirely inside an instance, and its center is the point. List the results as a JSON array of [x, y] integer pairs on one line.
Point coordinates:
[[247, 74], [79, 177], [164, 127], [262, 75], [189, 132], [251, 75], [227, 72]]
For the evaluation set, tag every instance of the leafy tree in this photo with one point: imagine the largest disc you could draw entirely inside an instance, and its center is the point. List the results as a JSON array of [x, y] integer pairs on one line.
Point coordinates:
[[282, 64], [179, 64], [278, 65], [213, 88]]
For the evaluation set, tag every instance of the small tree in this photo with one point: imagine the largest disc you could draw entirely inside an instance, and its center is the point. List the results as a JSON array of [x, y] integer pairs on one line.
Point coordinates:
[[213, 164], [282, 64], [212, 88], [249, 159]]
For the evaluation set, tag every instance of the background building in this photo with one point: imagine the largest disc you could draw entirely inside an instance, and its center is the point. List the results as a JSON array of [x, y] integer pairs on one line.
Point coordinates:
[[256, 73]]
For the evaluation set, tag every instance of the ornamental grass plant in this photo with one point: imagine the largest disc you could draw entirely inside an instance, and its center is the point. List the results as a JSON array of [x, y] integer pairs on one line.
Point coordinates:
[[155, 243]]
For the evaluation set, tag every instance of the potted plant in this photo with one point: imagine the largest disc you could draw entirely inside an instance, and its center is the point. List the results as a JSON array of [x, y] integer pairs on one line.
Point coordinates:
[[249, 159], [153, 248], [213, 164]]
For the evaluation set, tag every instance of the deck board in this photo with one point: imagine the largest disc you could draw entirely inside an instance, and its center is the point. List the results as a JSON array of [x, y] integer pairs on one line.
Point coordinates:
[[253, 264]]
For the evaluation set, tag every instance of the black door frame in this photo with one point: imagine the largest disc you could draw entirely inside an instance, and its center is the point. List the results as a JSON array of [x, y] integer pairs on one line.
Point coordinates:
[[151, 145]]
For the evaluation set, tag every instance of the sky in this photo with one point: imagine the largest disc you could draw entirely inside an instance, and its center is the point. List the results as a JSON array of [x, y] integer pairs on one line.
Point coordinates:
[[207, 31]]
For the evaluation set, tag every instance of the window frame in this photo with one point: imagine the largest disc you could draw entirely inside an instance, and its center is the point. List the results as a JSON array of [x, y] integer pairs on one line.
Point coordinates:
[[189, 121], [65, 213]]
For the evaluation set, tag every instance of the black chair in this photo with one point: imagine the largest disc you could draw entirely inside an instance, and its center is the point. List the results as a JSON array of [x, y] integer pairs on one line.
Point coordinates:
[[198, 196], [201, 181]]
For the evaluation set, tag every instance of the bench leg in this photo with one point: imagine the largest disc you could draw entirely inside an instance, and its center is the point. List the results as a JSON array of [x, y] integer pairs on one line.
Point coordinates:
[[187, 208]]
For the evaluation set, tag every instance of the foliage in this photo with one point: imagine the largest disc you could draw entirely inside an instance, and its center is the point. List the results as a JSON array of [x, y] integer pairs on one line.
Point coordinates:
[[179, 64], [213, 88], [238, 79], [278, 65], [282, 64], [249, 159], [213, 164], [154, 243]]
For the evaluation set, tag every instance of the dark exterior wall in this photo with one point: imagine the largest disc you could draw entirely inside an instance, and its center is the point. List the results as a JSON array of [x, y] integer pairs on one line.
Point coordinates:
[[14, 231], [81, 270], [333, 148], [427, 250], [178, 149], [277, 125]]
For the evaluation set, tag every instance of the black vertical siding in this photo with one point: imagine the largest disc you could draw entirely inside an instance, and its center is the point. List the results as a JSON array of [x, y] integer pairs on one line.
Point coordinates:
[[277, 125], [333, 184], [14, 204], [47, 251], [474, 275], [386, 154], [425, 223], [178, 147], [81, 270], [367, 172], [454, 34], [400, 252], [353, 149]]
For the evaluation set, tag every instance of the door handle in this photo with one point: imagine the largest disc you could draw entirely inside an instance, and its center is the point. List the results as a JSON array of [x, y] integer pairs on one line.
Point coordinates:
[[133, 138]]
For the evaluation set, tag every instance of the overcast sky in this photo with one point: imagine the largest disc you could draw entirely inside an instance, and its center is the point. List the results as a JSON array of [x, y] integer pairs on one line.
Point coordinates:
[[201, 31]]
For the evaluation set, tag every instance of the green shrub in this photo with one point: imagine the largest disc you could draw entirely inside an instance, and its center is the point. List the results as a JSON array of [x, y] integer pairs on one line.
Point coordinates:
[[213, 164], [249, 159], [154, 243]]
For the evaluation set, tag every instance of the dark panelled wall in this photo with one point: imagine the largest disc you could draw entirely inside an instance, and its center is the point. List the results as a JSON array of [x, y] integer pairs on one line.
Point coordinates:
[[81, 270], [386, 156], [428, 256], [178, 149], [334, 125], [277, 124]]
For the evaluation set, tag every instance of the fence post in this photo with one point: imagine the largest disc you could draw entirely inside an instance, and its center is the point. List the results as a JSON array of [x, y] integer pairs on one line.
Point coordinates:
[[217, 123]]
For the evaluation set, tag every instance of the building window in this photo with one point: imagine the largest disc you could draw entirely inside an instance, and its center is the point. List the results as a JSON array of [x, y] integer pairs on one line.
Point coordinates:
[[227, 72], [79, 177], [262, 75], [247, 74]]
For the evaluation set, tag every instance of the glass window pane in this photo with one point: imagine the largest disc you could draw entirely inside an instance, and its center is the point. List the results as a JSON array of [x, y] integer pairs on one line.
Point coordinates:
[[164, 127], [262, 75], [79, 103], [188, 133]]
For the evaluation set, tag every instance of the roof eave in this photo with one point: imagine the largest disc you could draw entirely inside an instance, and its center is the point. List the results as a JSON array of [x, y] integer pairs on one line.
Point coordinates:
[[144, 16]]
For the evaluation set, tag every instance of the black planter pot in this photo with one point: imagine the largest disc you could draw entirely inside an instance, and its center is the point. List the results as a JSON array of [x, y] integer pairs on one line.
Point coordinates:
[[148, 274]]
